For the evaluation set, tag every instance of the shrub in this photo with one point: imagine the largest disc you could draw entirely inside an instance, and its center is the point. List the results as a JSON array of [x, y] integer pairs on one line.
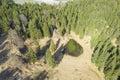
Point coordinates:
[[31, 56], [33, 31], [52, 46], [49, 59], [46, 30], [73, 48]]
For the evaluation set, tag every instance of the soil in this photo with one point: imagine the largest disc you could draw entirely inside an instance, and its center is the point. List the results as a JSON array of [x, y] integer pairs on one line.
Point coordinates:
[[78, 68], [69, 68]]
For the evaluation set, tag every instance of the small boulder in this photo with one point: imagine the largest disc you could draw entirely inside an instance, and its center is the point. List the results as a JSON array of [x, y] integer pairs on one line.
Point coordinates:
[[17, 40], [23, 19]]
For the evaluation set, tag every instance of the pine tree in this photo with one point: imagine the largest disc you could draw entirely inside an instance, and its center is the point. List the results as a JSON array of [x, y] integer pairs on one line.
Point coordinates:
[[15, 18], [33, 31], [31, 56], [46, 30], [52, 46], [49, 59]]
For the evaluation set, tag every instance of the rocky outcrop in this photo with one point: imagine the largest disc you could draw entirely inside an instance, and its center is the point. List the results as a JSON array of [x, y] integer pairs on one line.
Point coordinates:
[[23, 19], [17, 40]]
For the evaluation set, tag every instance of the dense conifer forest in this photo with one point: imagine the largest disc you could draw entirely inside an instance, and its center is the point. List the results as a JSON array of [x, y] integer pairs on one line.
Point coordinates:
[[99, 19]]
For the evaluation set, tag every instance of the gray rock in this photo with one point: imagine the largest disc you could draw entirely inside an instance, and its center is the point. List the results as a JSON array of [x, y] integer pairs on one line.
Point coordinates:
[[23, 19], [17, 40]]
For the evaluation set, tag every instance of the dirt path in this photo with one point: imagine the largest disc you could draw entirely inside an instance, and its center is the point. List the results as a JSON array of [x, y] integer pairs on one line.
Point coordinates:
[[70, 68], [78, 68]]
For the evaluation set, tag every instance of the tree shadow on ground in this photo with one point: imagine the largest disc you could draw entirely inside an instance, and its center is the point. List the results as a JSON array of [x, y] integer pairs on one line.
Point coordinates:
[[28, 78], [10, 74], [3, 45], [3, 56], [3, 38], [118, 78], [23, 50], [42, 75], [41, 53], [58, 42], [59, 54]]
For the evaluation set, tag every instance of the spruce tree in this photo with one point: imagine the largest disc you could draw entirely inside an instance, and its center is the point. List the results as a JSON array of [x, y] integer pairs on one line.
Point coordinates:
[[32, 58], [52, 46], [49, 59], [33, 31], [46, 30]]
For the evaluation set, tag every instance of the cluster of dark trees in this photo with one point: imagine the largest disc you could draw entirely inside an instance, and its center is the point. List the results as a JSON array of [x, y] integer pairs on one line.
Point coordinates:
[[107, 58], [86, 17], [29, 20], [98, 18]]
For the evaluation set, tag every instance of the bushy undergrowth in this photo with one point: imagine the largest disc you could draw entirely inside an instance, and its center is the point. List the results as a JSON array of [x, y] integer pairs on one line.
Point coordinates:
[[73, 48], [53, 46], [49, 59], [32, 58]]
